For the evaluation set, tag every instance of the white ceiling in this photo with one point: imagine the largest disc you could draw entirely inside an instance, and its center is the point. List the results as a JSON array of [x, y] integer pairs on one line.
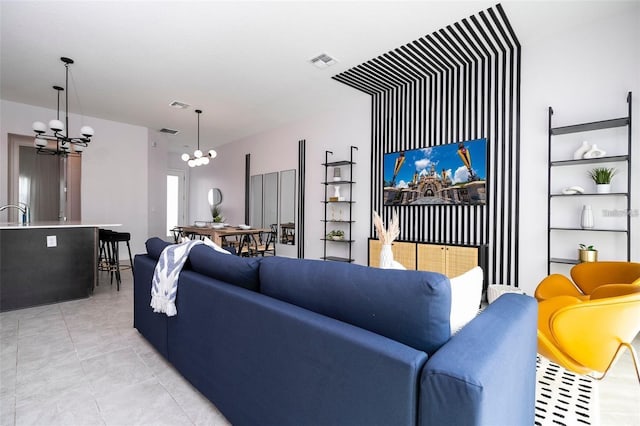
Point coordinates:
[[245, 64]]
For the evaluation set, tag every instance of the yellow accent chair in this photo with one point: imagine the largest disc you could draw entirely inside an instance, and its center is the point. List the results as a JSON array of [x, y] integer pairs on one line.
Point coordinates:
[[586, 336], [588, 277]]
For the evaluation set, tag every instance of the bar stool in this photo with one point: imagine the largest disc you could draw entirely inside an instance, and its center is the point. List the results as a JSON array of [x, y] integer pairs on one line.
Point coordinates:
[[109, 250], [104, 249]]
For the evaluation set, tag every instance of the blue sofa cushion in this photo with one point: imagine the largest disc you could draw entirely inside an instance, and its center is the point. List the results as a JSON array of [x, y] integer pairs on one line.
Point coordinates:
[[240, 271], [155, 246], [411, 307]]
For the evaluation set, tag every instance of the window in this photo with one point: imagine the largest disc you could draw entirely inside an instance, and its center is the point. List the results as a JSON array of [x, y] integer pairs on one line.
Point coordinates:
[[175, 200]]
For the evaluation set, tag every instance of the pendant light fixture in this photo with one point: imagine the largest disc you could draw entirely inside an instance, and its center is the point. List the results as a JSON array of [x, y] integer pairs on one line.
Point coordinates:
[[199, 159], [64, 143]]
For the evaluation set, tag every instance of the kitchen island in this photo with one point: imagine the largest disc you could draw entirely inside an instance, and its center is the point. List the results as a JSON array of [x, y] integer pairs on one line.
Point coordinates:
[[47, 262]]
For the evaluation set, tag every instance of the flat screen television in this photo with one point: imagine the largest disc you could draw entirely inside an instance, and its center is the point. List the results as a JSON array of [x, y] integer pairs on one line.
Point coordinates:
[[452, 174]]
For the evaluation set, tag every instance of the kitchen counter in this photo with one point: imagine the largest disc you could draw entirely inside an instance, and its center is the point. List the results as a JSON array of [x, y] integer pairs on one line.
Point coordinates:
[[55, 224], [47, 262]]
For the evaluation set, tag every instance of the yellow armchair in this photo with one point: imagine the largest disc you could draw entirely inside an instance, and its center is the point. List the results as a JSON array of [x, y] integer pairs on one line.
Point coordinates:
[[587, 277], [586, 336]]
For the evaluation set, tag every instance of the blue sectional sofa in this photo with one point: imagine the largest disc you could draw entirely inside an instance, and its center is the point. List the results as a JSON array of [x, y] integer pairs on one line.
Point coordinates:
[[279, 341]]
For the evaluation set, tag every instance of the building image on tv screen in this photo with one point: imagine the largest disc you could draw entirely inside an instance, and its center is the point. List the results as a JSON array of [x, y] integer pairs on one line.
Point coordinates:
[[444, 174]]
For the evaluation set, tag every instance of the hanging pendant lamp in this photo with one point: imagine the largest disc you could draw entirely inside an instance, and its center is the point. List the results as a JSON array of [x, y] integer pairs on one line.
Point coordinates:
[[64, 143], [199, 159]]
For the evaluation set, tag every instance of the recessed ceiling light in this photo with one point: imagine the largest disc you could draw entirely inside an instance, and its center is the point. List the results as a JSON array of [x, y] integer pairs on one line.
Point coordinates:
[[169, 131], [179, 105], [323, 61]]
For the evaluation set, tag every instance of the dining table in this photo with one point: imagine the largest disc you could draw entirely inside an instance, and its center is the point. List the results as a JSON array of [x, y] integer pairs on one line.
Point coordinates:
[[217, 235]]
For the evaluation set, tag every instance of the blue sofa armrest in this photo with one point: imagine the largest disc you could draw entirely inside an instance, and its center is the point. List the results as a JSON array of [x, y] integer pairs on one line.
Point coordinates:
[[486, 374], [151, 325]]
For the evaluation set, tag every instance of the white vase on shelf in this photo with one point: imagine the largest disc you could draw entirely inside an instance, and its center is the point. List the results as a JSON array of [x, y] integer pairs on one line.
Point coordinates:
[[586, 219], [603, 188], [581, 150], [594, 152], [386, 256]]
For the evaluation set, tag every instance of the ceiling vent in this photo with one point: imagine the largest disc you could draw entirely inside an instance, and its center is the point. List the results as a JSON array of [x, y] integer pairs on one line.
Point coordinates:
[[169, 131], [179, 105], [323, 61]]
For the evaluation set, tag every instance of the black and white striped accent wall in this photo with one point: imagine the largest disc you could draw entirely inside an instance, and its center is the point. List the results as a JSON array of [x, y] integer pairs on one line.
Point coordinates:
[[459, 83]]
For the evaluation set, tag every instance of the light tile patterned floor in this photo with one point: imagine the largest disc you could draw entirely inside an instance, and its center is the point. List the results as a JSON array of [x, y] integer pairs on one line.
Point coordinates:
[[82, 363]]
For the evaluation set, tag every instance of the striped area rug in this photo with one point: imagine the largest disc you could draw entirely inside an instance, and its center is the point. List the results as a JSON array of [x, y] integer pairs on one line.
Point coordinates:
[[564, 398]]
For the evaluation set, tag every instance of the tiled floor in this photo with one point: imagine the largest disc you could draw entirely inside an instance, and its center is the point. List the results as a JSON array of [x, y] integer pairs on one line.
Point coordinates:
[[82, 363]]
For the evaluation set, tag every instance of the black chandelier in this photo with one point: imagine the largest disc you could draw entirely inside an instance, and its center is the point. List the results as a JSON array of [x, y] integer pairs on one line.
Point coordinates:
[[63, 143], [198, 159]]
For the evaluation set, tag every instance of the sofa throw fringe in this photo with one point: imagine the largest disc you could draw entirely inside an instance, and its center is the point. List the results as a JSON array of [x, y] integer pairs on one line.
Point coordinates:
[[164, 285]]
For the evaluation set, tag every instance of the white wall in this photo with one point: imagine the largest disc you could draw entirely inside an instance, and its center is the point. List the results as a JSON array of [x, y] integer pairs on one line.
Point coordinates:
[[584, 73], [277, 150], [114, 168]]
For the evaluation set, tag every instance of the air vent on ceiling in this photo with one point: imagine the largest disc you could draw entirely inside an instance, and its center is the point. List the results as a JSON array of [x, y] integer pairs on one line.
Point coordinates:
[[169, 131], [323, 61], [180, 105]]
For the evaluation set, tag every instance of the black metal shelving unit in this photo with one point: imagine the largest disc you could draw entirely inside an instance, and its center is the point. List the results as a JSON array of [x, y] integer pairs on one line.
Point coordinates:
[[348, 202], [625, 159]]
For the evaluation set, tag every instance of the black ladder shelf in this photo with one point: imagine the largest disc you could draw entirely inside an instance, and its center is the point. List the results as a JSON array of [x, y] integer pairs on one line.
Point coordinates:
[[343, 224]]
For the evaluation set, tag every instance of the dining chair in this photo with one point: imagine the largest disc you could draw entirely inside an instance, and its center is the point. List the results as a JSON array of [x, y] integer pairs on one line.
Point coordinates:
[[266, 243], [247, 245]]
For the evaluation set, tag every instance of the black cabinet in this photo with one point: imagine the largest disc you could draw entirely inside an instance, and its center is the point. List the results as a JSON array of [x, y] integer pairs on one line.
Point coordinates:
[[41, 265]]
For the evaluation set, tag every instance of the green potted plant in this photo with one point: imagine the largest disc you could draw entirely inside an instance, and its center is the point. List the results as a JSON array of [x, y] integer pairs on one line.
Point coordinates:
[[587, 253], [336, 234], [602, 177], [217, 215]]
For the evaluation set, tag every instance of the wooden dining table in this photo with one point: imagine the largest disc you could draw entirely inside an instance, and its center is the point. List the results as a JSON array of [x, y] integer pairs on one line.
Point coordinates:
[[217, 234]]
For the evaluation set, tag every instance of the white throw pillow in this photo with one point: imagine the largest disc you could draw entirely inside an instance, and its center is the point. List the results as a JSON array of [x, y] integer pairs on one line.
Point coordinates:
[[466, 295]]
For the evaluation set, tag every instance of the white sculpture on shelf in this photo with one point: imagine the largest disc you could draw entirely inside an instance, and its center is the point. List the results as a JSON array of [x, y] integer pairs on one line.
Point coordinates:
[[594, 152], [573, 190], [581, 150]]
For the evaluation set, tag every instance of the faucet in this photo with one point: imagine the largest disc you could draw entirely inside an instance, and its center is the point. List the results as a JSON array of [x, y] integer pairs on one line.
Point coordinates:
[[25, 218]]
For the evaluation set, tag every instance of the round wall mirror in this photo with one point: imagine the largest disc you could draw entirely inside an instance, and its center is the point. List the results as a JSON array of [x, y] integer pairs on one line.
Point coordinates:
[[214, 197]]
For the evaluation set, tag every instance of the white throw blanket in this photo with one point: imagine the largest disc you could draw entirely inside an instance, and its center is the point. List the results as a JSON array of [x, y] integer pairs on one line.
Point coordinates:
[[164, 285]]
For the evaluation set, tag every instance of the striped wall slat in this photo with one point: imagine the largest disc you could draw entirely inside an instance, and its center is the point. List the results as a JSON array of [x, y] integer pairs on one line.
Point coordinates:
[[459, 83], [302, 153]]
